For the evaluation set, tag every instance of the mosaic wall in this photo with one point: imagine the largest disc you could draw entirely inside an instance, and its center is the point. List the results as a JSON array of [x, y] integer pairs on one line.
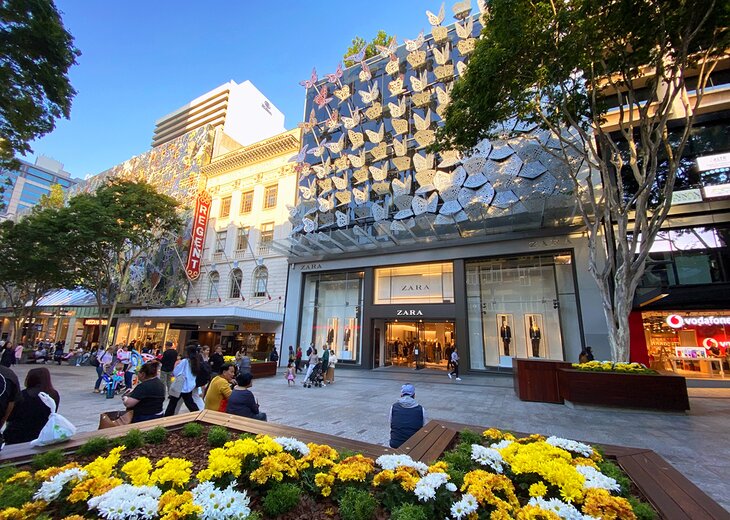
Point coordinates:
[[363, 168]]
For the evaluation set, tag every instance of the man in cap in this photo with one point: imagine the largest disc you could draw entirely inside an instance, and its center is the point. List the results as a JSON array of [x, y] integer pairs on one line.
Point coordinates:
[[406, 416]]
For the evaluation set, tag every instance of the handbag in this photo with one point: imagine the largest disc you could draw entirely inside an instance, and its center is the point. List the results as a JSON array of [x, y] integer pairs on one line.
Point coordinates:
[[177, 385], [115, 418]]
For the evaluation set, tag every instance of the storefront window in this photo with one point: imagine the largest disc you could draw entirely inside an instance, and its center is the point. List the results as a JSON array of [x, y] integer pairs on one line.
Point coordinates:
[[521, 307], [331, 313], [423, 283]]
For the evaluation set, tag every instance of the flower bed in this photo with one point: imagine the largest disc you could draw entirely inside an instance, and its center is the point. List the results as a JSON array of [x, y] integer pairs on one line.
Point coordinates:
[[493, 475], [610, 366]]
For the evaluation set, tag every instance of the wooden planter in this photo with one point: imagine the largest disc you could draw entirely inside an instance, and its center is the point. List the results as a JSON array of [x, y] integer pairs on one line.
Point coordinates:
[[263, 369], [537, 379], [659, 392]]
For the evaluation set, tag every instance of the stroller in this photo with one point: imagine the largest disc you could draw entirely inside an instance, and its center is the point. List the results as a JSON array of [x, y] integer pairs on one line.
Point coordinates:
[[316, 378], [112, 384]]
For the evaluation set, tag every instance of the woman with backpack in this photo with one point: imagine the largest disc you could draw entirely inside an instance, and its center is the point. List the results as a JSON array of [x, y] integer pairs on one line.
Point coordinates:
[[189, 375]]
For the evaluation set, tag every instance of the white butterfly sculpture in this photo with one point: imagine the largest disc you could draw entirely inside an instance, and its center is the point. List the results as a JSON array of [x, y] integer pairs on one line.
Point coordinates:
[[462, 9], [336, 146], [442, 55], [414, 45], [399, 109], [419, 83], [358, 161], [436, 19], [376, 137], [464, 31], [301, 155], [352, 122], [370, 95], [379, 174]]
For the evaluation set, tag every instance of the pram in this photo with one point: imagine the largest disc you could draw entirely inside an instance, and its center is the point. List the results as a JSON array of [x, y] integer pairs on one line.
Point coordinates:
[[112, 384], [316, 378]]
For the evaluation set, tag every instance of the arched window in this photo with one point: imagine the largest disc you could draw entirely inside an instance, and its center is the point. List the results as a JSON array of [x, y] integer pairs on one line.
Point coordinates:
[[213, 279], [260, 281], [236, 278]]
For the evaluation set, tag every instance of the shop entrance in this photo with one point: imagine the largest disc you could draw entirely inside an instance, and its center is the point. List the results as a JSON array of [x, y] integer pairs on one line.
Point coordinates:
[[430, 338]]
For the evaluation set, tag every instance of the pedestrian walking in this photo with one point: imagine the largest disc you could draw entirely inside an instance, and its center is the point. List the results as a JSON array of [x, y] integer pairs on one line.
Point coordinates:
[[329, 377], [103, 358], [169, 358], [298, 360], [187, 370], [454, 365]]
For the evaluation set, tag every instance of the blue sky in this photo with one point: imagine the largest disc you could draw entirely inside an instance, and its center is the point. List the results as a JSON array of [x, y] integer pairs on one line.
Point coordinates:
[[142, 59]]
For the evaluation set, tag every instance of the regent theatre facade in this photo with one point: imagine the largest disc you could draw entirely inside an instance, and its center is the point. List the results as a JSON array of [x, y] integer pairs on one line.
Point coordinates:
[[396, 251]]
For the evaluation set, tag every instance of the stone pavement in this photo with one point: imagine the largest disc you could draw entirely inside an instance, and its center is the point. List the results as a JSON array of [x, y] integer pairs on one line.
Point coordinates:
[[356, 406]]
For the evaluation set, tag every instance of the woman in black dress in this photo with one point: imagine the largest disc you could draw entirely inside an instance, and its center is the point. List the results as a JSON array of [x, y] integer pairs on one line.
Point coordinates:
[[30, 414]]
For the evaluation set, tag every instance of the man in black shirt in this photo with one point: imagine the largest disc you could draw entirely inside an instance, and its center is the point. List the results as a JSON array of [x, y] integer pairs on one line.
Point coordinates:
[[9, 394], [169, 358], [216, 359]]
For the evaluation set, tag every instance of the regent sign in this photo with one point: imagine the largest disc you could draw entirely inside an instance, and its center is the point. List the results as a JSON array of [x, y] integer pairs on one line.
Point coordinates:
[[677, 322], [197, 240]]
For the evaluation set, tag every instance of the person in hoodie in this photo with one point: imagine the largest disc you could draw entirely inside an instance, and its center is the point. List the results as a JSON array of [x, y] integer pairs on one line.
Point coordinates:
[[406, 416]]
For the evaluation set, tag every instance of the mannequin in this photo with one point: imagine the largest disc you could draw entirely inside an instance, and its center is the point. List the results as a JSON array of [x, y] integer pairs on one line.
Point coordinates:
[[346, 338], [535, 336], [330, 336], [505, 332]]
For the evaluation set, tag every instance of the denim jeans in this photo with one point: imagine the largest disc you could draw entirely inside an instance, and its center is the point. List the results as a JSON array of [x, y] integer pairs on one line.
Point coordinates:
[[99, 372]]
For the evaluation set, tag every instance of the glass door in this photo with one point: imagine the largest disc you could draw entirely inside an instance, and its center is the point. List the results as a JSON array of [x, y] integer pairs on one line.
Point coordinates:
[[432, 340]]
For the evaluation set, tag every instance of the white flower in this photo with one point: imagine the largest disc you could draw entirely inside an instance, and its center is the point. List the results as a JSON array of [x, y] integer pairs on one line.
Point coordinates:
[[501, 444], [562, 509], [487, 457], [291, 444], [464, 507], [393, 462], [450, 486], [127, 502], [220, 504], [568, 445], [426, 487], [596, 479], [51, 488]]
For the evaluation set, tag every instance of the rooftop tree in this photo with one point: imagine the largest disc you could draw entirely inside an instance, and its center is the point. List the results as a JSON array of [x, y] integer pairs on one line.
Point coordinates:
[[556, 65]]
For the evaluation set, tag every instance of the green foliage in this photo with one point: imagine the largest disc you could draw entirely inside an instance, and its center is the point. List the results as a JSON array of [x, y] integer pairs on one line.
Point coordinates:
[[6, 473], [642, 510], [281, 499], [47, 460], [94, 446], [192, 429], [357, 504], [382, 39], [469, 437], [409, 512], [54, 200], [133, 439], [17, 493], [36, 52], [155, 435], [610, 469], [218, 436]]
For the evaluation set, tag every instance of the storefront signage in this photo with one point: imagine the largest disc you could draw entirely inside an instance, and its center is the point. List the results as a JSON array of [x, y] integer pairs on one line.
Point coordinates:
[[251, 326], [408, 312], [686, 197], [223, 326], [94, 321], [416, 286], [183, 326], [310, 267], [711, 162], [677, 322], [719, 190], [197, 241]]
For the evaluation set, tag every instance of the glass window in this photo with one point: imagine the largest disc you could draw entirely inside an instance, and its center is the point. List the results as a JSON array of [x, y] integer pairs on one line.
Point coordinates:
[[270, 197], [213, 280], [246, 202], [225, 207], [242, 238], [220, 241], [236, 278], [423, 283], [40, 173], [260, 281], [266, 238], [331, 313]]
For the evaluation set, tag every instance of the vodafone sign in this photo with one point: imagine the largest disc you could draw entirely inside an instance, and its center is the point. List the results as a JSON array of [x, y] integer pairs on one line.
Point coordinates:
[[197, 241], [677, 322]]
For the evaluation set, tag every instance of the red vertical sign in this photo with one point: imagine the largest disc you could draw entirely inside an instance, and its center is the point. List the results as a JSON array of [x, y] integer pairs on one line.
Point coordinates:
[[197, 241]]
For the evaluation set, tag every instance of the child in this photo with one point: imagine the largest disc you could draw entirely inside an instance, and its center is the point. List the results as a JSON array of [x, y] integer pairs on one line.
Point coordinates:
[[290, 375]]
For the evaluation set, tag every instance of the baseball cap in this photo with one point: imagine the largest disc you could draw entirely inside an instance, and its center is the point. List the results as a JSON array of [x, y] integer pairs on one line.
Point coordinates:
[[408, 389]]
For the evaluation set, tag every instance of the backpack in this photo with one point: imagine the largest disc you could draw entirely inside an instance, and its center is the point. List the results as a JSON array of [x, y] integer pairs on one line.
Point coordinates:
[[203, 377], [94, 361]]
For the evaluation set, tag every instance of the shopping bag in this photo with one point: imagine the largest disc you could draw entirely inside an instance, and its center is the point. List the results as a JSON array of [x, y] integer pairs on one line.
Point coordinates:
[[177, 385], [115, 418], [57, 429]]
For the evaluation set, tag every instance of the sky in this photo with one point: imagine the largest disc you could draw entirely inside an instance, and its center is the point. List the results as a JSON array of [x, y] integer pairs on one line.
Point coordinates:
[[143, 59]]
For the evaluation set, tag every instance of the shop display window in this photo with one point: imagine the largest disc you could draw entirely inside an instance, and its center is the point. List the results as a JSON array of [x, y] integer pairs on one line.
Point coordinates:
[[422, 283], [331, 313]]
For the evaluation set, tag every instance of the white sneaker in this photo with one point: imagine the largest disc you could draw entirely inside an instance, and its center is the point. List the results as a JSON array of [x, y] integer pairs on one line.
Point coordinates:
[[449, 374], [458, 379]]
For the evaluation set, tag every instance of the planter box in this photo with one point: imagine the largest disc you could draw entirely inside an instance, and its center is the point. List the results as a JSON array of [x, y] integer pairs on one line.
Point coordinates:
[[660, 392], [263, 369], [537, 379]]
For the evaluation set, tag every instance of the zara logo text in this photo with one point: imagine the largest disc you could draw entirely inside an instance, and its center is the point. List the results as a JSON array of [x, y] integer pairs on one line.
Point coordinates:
[[408, 312]]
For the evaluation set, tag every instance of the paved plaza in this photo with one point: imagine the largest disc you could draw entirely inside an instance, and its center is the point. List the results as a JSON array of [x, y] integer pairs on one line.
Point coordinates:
[[357, 405]]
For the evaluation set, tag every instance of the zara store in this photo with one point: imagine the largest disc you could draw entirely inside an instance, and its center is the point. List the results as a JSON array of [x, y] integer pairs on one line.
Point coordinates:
[[493, 301]]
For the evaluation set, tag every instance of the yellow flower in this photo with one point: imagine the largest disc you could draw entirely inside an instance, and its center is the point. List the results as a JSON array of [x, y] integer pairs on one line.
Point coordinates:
[[324, 481], [492, 489], [275, 467], [103, 466], [20, 475], [535, 513], [384, 477], [241, 448], [73, 517], [93, 487], [29, 511], [601, 504], [583, 461], [173, 471], [438, 467], [320, 456], [48, 473], [138, 471], [407, 476], [535, 437], [177, 506], [493, 434], [538, 489], [355, 468], [220, 463]]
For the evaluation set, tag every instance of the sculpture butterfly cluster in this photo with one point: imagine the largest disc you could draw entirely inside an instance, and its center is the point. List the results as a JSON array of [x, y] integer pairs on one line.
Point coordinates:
[[364, 158]]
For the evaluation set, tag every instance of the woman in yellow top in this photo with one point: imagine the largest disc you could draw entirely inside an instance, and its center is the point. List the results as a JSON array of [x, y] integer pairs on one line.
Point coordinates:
[[219, 389]]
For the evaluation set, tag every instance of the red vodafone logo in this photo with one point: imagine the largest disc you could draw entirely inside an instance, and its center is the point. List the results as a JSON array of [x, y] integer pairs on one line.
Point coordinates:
[[675, 321], [710, 343]]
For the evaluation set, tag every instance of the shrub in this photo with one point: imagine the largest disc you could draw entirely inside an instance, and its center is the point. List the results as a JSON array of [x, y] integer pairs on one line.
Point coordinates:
[[17, 493], [281, 499], [469, 437], [642, 510], [47, 460], [409, 512], [192, 429], [94, 446], [357, 504], [133, 439], [155, 435], [218, 436]]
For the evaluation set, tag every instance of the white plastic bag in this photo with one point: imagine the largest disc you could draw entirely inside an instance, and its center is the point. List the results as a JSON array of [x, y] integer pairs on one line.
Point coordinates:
[[57, 429]]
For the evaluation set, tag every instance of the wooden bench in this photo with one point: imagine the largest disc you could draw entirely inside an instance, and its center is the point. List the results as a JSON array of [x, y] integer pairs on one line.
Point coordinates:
[[428, 443]]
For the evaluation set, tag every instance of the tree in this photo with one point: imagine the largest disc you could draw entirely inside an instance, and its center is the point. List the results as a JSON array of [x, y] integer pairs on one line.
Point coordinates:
[[556, 64], [36, 53], [54, 199], [358, 43], [114, 231]]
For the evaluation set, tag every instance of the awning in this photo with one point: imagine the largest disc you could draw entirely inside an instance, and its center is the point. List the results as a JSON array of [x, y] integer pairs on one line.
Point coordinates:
[[194, 313], [67, 298]]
